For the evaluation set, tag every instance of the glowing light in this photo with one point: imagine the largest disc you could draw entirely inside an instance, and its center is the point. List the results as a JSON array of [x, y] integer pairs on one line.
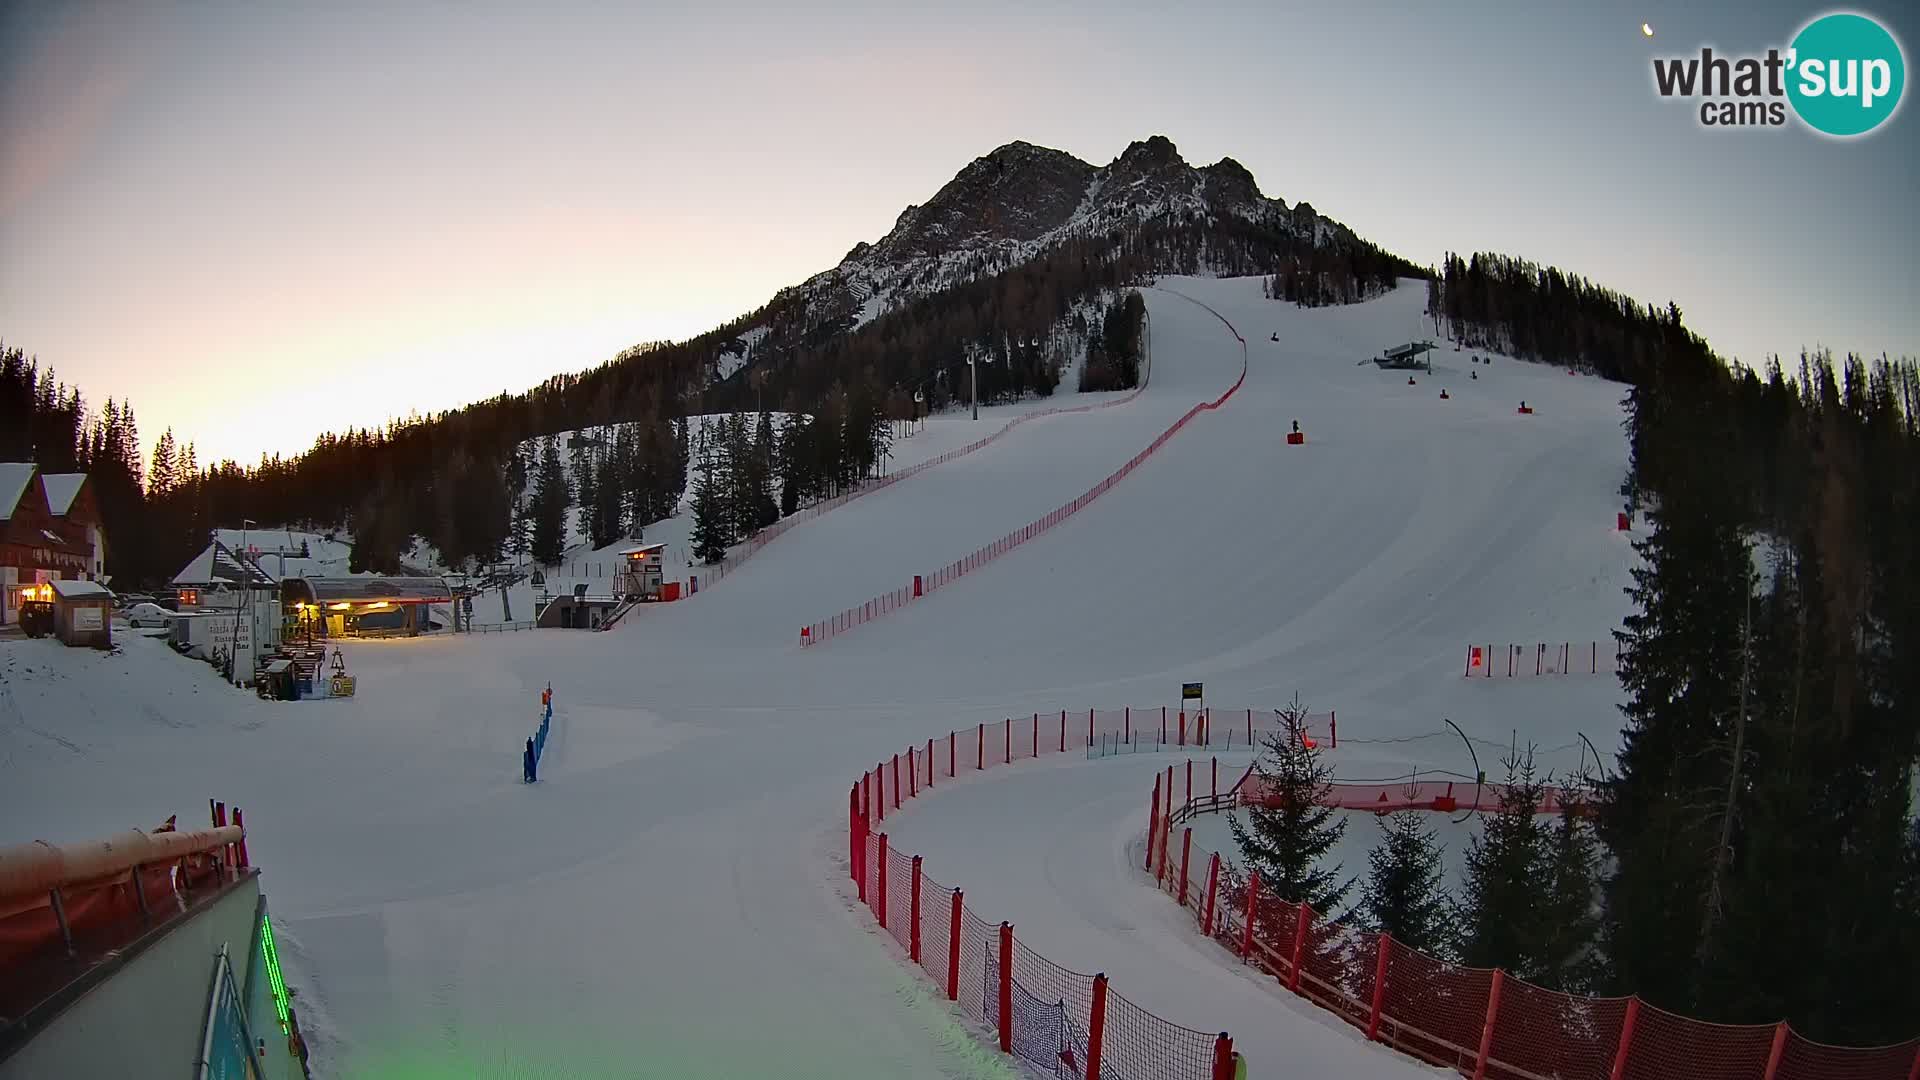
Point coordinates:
[[377, 604], [341, 606], [273, 972], [1647, 29]]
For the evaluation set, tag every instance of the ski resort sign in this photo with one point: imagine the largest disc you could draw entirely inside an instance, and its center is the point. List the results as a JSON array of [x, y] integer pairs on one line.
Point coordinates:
[[1843, 75]]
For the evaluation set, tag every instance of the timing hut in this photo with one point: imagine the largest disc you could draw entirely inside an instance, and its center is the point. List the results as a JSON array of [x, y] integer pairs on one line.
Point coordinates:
[[642, 573], [332, 607]]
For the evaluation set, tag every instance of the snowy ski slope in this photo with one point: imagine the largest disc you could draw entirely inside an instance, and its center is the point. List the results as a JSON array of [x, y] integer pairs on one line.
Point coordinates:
[[670, 893]]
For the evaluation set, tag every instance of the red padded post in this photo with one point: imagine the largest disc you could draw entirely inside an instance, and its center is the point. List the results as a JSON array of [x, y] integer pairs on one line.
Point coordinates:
[[953, 949], [1096, 1026], [913, 776], [1006, 988], [240, 845], [1626, 1041], [1300, 926], [1223, 1058], [880, 785], [1153, 820], [913, 928], [1779, 1050], [950, 761], [1183, 727], [1486, 1031], [1186, 853], [896, 781], [1383, 944], [1213, 890], [853, 839], [1253, 911], [881, 877]]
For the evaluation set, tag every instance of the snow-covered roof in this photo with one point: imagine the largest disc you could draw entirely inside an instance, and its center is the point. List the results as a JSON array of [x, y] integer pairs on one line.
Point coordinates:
[[14, 478], [218, 564], [79, 590], [644, 549], [61, 489], [369, 589]]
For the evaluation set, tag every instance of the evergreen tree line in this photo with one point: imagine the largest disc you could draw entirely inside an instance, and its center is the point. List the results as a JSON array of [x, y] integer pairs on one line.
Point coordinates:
[[1115, 352], [1327, 276], [806, 458], [1762, 818], [1509, 305], [1528, 902]]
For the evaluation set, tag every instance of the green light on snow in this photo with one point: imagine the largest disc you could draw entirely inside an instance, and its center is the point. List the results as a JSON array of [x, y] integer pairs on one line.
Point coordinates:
[[273, 973]]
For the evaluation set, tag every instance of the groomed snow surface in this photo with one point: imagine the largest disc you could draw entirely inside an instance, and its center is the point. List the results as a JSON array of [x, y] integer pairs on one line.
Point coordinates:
[[671, 900]]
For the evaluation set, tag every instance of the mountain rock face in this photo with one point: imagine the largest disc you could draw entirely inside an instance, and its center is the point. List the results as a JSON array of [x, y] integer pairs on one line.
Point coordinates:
[[1006, 209]]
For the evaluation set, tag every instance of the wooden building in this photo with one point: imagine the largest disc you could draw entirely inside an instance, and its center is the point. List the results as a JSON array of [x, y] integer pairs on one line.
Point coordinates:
[[49, 531], [82, 613]]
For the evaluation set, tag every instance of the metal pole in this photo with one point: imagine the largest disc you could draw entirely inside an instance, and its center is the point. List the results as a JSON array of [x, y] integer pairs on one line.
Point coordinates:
[[973, 375]]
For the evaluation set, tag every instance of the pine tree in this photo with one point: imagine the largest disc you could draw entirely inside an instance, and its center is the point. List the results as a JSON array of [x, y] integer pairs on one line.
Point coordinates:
[[1500, 920], [762, 509], [586, 481], [550, 501], [709, 537], [1404, 893], [1290, 830], [1569, 915]]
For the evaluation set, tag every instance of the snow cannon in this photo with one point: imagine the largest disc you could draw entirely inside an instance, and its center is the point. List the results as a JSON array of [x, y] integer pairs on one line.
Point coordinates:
[[1525, 409], [1444, 395], [1474, 375], [806, 635], [1625, 521], [1410, 381], [1296, 437]]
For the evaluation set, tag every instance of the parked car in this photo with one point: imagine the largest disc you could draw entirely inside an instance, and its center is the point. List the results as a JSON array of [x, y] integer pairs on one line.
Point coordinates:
[[149, 614], [130, 599]]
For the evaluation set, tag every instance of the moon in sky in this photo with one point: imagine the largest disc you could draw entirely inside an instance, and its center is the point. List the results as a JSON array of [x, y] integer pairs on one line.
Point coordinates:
[[1647, 29]]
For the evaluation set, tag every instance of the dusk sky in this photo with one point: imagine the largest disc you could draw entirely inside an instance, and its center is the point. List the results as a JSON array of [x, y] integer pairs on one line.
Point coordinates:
[[258, 222]]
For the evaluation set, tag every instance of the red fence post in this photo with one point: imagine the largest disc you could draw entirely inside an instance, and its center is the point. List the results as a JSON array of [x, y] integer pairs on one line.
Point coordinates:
[[880, 786], [882, 877], [1189, 801], [982, 766], [913, 776], [1779, 1049], [1486, 1031], [1213, 888], [1006, 988], [1626, 1039], [1379, 987], [950, 763], [1224, 1057], [896, 781], [1009, 741], [1096, 1026], [853, 836], [240, 845], [1215, 791], [1246, 931], [953, 948], [1183, 727], [1300, 925], [1153, 820], [913, 928], [1186, 853]]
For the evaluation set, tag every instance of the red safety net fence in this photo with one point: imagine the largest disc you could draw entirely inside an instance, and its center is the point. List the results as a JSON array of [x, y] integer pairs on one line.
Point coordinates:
[[1481, 1022], [866, 612], [1064, 1023]]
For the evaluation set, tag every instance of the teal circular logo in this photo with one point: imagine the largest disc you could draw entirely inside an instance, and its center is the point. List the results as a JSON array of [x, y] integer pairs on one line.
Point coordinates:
[[1846, 74]]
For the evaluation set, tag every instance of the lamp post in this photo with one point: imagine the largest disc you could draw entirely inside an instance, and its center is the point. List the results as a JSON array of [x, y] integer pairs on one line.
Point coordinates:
[[973, 377], [245, 524]]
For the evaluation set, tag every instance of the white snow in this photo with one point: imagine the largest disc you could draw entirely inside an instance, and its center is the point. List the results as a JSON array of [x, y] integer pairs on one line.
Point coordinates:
[[670, 898]]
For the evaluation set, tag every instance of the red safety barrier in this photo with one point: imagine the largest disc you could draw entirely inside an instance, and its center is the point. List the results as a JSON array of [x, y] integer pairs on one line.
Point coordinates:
[[923, 585], [1486, 1023], [1057, 1020], [1541, 659]]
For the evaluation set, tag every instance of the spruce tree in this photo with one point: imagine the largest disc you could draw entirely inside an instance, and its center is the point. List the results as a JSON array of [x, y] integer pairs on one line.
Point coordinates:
[[1500, 897], [710, 537], [550, 501], [1404, 894], [1569, 913], [1289, 831]]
